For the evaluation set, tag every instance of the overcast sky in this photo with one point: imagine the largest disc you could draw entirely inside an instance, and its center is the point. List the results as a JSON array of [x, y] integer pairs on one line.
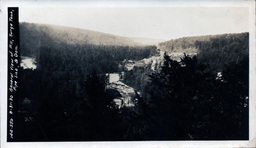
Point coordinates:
[[159, 23]]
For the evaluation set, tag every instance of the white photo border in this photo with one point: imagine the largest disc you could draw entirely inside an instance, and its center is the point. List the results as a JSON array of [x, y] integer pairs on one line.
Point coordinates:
[[125, 3]]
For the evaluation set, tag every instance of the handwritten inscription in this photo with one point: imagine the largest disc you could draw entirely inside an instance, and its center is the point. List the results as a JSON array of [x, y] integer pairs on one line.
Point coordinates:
[[11, 128], [11, 13], [11, 100], [13, 66]]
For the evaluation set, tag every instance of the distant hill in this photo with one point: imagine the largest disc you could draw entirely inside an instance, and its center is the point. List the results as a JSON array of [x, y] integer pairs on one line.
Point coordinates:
[[57, 48], [217, 50], [147, 41], [184, 44], [191, 44], [33, 36]]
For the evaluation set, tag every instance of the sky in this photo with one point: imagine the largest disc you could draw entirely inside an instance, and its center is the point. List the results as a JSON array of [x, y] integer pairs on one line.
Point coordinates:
[[145, 22]]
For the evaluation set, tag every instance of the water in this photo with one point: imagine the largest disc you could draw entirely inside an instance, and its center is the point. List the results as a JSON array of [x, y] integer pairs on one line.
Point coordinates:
[[28, 63], [126, 91], [114, 77]]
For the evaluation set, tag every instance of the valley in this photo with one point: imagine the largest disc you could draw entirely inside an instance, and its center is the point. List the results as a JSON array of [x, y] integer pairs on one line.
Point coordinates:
[[78, 84]]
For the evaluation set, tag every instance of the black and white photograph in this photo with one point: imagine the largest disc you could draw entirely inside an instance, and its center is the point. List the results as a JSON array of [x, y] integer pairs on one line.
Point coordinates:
[[137, 73]]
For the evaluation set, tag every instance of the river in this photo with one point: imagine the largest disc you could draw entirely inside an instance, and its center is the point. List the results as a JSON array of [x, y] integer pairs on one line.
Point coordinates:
[[125, 91], [28, 63]]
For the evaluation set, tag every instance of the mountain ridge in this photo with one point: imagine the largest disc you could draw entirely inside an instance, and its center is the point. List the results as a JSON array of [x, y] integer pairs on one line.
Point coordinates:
[[191, 43], [35, 35]]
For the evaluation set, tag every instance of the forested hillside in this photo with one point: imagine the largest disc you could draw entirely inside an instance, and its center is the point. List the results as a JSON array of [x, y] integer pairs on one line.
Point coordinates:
[[60, 48], [33, 36], [216, 50], [68, 98], [224, 49], [65, 97], [205, 96], [86, 58], [187, 101], [184, 44]]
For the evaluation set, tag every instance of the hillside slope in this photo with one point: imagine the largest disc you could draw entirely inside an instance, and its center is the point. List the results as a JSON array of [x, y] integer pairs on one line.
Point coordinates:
[[192, 44], [216, 50], [33, 36]]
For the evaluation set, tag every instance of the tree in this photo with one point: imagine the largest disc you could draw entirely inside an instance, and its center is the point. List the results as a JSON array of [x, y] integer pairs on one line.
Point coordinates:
[[179, 99], [231, 102], [186, 101]]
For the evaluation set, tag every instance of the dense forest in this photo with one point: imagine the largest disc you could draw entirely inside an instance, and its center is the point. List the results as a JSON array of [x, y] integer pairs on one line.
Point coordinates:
[[183, 101], [52, 35], [66, 97], [214, 87], [220, 51], [193, 104], [186, 100], [83, 59], [216, 50]]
